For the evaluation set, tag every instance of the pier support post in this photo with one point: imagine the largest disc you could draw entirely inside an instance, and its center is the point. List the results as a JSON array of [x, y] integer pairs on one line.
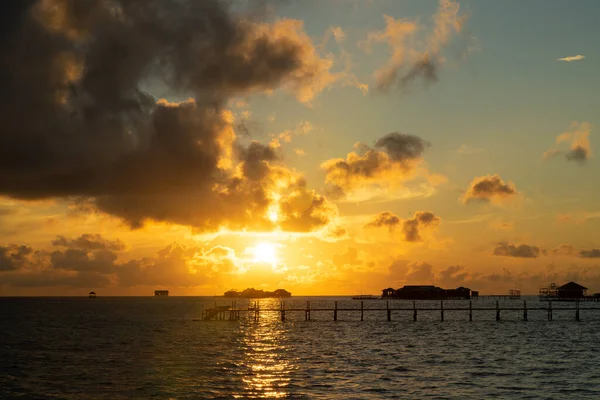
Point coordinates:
[[306, 312], [389, 312], [442, 309], [497, 310], [577, 311], [524, 310], [283, 310], [470, 310], [414, 311], [550, 310], [361, 311], [335, 312]]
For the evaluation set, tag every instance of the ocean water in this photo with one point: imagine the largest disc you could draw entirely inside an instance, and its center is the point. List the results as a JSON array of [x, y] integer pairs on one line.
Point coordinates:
[[146, 348]]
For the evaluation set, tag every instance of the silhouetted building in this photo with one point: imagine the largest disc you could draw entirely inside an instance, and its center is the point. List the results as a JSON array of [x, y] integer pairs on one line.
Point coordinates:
[[571, 290], [252, 293], [426, 292], [161, 292], [566, 292]]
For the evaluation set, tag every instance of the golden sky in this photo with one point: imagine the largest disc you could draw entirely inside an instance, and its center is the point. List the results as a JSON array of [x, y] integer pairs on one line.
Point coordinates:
[[338, 148]]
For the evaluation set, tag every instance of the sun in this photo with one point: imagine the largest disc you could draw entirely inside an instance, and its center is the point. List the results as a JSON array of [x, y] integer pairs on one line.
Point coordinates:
[[265, 252]]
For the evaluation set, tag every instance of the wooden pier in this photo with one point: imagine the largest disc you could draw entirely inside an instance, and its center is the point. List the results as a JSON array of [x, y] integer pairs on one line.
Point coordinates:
[[233, 313]]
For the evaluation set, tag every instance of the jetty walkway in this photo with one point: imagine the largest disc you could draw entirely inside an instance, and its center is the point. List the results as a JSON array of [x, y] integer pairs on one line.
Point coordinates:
[[254, 310]]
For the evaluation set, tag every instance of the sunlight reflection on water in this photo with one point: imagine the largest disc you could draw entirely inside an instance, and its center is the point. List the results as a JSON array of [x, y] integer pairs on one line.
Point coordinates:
[[266, 356]]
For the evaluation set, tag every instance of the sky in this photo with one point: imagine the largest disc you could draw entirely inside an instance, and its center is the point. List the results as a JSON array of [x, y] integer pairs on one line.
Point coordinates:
[[323, 147]]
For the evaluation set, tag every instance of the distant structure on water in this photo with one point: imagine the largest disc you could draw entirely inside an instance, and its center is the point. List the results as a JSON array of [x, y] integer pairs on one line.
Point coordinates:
[[514, 294], [426, 292], [568, 292], [161, 292], [365, 297], [252, 293], [92, 295]]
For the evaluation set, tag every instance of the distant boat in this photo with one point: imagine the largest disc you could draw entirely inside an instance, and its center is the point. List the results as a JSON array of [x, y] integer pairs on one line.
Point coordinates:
[[92, 295], [365, 297]]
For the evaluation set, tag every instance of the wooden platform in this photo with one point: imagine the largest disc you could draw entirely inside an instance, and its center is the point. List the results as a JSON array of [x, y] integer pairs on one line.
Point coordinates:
[[254, 310]]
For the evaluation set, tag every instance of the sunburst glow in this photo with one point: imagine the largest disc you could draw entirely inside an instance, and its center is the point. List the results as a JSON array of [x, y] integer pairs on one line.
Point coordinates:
[[265, 252]]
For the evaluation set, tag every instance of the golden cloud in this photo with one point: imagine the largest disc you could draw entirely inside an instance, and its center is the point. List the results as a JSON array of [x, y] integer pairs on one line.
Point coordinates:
[[395, 159]]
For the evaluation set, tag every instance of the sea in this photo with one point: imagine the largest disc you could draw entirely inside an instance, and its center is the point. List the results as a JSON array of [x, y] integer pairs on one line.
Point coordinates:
[[160, 348]]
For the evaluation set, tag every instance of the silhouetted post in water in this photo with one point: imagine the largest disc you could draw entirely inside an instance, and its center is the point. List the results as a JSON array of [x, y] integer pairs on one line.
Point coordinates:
[[256, 312], [306, 312], [577, 311], [497, 310], [283, 310], [524, 310], [361, 310], [389, 312], [415, 311], [550, 311], [470, 311], [335, 312], [442, 309]]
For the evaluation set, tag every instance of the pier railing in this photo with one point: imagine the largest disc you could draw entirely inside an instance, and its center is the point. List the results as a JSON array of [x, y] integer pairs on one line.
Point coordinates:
[[254, 310]]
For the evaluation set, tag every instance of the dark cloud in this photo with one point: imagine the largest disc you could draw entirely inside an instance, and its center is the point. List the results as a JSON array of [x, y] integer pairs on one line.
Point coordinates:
[[13, 257], [577, 137], [578, 153], [591, 253], [420, 273], [454, 276], [84, 265], [522, 250], [563, 250], [335, 233], [394, 158], [421, 220], [424, 68], [489, 188], [88, 242], [411, 228], [402, 147], [100, 261], [77, 122], [385, 219]]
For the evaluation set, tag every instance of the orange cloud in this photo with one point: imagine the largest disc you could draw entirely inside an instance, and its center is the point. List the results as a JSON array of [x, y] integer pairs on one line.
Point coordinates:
[[395, 159], [423, 62], [411, 228]]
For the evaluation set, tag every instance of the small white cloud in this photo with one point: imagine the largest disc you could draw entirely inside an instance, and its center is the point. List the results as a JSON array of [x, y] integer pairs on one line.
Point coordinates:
[[571, 58]]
